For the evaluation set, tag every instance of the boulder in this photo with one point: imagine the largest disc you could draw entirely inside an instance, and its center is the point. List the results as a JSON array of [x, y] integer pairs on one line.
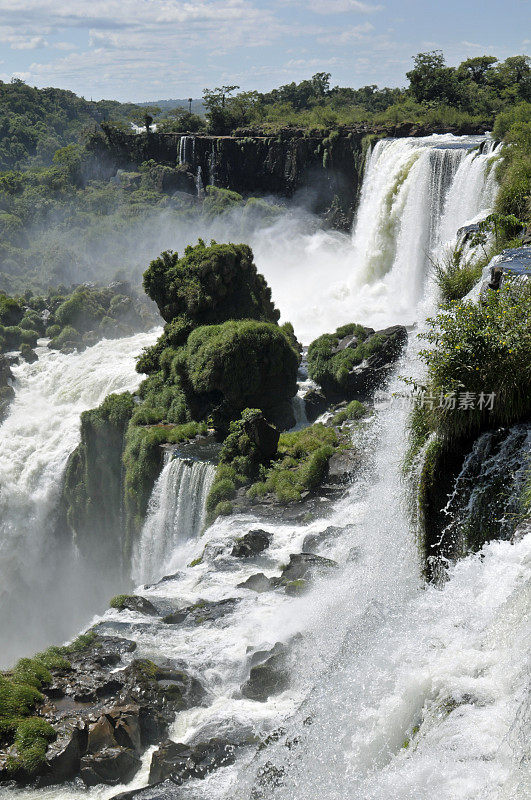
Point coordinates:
[[268, 674], [63, 756], [251, 544], [303, 566], [181, 762], [166, 790], [202, 611], [264, 435], [112, 765], [137, 603], [352, 363], [257, 583], [315, 404]]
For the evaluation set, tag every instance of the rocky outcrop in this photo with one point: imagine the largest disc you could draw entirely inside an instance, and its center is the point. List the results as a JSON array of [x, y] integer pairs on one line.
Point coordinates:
[[295, 577], [471, 493], [312, 165], [106, 708], [354, 361], [251, 544], [180, 762]]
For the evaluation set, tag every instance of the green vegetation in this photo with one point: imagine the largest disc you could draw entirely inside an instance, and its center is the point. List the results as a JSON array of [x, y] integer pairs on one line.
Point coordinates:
[[119, 601], [456, 274], [514, 170], [330, 367], [353, 411], [250, 364], [72, 319], [301, 463], [479, 373], [209, 285], [35, 123], [298, 466], [468, 95], [20, 697]]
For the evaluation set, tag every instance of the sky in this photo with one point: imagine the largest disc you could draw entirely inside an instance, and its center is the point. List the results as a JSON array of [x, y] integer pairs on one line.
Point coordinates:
[[140, 50]]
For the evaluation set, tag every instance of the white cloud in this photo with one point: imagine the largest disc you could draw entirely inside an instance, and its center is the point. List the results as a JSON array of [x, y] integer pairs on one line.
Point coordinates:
[[342, 7], [347, 35]]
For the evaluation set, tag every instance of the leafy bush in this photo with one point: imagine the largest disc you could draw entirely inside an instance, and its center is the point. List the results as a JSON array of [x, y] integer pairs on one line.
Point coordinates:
[[209, 285], [479, 349], [301, 463], [251, 364], [354, 410]]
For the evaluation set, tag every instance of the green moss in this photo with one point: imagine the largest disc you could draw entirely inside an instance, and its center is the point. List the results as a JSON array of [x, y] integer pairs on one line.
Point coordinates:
[[196, 562], [331, 370], [250, 364], [301, 463], [354, 410], [119, 601]]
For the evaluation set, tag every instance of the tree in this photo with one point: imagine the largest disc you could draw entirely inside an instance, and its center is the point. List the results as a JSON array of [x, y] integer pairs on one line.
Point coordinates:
[[431, 80], [478, 69], [216, 98]]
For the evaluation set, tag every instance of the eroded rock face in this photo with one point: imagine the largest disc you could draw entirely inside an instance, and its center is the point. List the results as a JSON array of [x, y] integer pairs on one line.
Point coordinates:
[[268, 674]]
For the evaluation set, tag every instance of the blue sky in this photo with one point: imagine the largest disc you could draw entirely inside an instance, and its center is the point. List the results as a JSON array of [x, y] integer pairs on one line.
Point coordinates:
[[155, 49]]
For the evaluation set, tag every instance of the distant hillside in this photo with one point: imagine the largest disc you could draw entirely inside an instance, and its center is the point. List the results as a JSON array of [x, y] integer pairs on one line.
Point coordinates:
[[198, 107], [34, 123]]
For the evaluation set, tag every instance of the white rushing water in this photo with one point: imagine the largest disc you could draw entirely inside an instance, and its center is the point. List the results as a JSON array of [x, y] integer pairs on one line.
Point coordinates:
[[415, 195], [175, 515], [398, 691], [37, 437]]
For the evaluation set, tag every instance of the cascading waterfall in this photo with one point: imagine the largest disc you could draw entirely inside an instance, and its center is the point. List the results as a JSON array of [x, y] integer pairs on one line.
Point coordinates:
[[176, 514], [398, 690], [187, 150], [41, 591]]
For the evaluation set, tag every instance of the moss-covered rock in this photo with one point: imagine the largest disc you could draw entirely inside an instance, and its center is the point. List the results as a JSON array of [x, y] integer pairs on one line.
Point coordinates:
[[209, 285], [242, 364], [353, 361]]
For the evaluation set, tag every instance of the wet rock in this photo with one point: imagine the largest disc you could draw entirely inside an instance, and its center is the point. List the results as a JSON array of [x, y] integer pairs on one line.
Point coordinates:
[[315, 404], [112, 765], [63, 756], [315, 540], [342, 467], [202, 611], [166, 790], [303, 566], [251, 544], [182, 762], [136, 603], [257, 583], [105, 716], [7, 393], [268, 677], [352, 377]]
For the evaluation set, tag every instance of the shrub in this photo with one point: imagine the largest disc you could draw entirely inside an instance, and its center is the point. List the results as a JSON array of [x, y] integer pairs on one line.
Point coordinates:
[[251, 364], [331, 370], [483, 350], [209, 285], [456, 276]]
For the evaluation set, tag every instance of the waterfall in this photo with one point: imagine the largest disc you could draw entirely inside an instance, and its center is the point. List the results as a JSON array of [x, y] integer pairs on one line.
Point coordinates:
[[176, 513], [41, 594], [398, 690], [187, 150]]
